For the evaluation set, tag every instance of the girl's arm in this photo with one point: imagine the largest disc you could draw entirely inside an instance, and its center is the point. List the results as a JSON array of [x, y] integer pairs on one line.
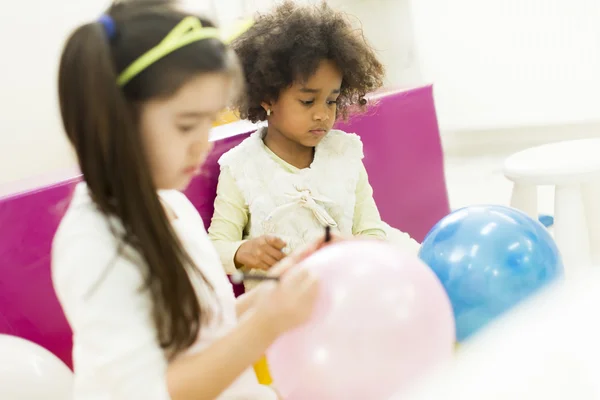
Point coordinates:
[[367, 221], [227, 229], [207, 374], [229, 220], [246, 301]]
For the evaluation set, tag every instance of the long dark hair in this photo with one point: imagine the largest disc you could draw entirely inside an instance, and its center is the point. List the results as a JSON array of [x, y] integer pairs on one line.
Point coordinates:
[[101, 121]]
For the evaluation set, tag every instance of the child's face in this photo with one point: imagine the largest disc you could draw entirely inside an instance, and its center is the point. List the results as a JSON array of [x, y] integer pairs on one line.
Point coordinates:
[[306, 111], [175, 129]]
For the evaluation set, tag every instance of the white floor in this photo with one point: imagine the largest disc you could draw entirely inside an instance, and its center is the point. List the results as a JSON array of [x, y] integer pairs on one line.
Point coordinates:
[[479, 180]]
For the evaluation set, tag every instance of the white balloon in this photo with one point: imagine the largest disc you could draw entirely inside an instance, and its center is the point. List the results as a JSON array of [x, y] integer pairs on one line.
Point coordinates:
[[547, 348], [30, 372]]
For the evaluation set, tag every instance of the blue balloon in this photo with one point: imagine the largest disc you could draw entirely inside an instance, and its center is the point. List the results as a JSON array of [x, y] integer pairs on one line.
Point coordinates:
[[489, 258]]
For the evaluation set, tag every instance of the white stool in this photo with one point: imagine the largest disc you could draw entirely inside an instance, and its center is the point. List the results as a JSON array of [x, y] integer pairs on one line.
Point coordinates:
[[573, 168]]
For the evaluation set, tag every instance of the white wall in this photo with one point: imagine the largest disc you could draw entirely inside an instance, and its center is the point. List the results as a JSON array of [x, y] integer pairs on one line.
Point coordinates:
[[494, 63], [388, 26], [509, 63], [31, 37]]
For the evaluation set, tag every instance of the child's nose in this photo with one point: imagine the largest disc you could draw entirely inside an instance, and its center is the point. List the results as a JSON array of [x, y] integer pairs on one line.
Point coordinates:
[[321, 114]]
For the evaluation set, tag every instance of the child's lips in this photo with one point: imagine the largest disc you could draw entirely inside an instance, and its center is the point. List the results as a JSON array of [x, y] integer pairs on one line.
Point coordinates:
[[318, 131], [193, 170]]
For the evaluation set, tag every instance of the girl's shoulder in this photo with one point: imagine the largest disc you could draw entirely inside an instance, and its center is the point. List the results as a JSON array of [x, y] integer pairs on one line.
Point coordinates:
[[83, 219], [248, 147], [340, 143]]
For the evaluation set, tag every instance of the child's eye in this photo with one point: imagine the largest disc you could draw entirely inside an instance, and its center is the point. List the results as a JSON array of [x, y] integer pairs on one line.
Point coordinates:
[[332, 102], [307, 103], [186, 128]]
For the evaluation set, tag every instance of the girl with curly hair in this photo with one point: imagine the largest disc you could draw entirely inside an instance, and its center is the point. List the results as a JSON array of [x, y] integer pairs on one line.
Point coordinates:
[[305, 66]]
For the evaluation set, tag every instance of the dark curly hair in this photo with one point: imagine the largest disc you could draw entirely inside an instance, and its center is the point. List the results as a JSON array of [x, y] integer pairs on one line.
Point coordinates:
[[287, 45]]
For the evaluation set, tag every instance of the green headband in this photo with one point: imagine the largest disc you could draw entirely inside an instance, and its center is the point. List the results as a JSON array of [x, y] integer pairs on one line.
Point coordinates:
[[189, 30]]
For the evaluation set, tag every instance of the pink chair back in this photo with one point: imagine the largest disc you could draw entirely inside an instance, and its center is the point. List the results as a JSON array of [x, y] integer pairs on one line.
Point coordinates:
[[404, 159]]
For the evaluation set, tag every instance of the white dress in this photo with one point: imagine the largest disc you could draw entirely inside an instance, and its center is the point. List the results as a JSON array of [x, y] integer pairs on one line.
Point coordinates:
[[297, 206], [115, 350]]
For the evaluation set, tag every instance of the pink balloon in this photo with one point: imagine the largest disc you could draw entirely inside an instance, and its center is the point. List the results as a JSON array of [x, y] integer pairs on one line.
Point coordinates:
[[382, 320]]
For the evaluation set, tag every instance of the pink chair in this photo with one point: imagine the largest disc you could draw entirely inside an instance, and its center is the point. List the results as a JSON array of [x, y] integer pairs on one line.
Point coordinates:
[[403, 156], [404, 159]]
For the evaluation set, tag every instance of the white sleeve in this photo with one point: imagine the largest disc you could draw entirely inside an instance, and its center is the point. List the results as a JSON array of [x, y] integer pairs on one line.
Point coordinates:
[[402, 239], [115, 343]]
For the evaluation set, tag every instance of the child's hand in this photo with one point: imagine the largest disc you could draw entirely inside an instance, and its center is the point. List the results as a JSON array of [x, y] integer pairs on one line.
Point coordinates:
[[289, 302], [260, 253], [299, 255]]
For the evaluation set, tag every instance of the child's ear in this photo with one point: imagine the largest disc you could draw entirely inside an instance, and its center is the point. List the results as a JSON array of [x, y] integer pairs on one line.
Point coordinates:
[[266, 105]]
